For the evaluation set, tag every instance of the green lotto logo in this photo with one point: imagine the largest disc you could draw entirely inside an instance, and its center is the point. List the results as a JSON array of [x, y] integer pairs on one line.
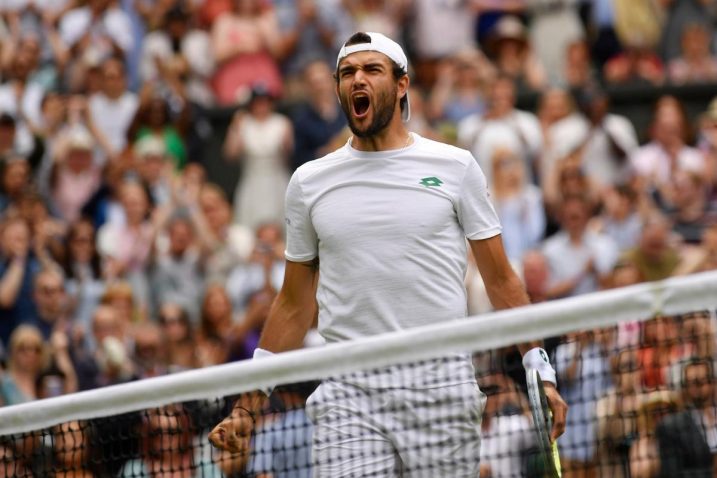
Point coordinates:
[[431, 182]]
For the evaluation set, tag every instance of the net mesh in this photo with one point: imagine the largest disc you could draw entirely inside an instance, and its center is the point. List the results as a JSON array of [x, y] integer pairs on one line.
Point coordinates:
[[635, 366]]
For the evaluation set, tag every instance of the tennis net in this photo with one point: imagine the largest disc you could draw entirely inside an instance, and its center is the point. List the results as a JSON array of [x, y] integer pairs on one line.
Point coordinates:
[[634, 365]]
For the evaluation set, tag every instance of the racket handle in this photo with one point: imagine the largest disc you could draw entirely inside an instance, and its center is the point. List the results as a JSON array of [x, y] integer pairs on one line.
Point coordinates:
[[556, 459]]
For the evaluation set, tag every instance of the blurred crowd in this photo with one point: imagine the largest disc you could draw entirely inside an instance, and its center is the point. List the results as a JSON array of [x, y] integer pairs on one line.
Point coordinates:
[[120, 259]]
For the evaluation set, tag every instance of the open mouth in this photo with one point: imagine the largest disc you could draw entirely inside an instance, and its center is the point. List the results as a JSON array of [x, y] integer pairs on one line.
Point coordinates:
[[360, 104]]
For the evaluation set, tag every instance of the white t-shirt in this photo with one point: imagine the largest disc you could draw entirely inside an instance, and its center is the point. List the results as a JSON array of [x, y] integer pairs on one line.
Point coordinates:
[[114, 117], [389, 228]]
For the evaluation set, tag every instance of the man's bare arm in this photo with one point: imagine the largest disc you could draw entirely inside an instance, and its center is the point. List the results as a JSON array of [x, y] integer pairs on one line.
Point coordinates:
[[505, 290], [290, 317]]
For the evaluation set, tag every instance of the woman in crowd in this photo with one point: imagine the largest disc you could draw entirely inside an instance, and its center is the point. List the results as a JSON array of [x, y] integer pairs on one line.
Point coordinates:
[[518, 203], [245, 43]]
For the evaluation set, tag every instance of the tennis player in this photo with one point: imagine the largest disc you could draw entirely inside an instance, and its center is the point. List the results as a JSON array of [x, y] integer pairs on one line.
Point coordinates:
[[387, 215]]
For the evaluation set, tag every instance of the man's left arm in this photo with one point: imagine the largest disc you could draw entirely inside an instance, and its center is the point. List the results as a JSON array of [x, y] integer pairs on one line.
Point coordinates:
[[505, 290]]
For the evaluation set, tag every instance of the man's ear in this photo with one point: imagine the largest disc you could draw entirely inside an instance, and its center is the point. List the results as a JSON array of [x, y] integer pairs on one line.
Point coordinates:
[[403, 83]]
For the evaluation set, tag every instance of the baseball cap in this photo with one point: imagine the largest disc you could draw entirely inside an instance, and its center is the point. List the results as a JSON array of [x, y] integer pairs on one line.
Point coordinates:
[[382, 44]]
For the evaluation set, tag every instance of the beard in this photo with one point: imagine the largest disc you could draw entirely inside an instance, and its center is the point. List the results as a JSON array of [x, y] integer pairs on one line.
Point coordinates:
[[383, 110]]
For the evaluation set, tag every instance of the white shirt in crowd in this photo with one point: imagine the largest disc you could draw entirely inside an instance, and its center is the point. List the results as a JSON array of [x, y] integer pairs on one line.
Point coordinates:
[[653, 162], [599, 160], [114, 116], [519, 132], [114, 25], [568, 260]]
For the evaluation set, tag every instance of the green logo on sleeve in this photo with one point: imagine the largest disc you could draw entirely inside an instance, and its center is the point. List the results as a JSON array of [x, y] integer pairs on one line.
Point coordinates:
[[431, 182]]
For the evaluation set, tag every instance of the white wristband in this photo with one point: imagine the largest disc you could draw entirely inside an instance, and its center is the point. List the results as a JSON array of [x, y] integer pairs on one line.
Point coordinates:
[[537, 358], [258, 355]]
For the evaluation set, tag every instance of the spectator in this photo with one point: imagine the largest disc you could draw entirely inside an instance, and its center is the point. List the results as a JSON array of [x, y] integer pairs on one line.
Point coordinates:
[[511, 52], [686, 203], [656, 255], [580, 260], [263, 269], [14, 180], [50, 302], [72, 448], [696, 64], [27, 357], [310, 31], [176, 275], [536, 276], [245, 43], [109, 363], [18, 267], [505, 438], [683, 437], [318, 118], [149, 351], [459, 90], [703, 257], [180, 338], [518, 203], [554, 25], [707, 143], [154, 167], [75, 175], [645, 459], [638, 22], [83, 273], [656, 162], [263, 140], [659, 348], [437, 31], [620, 218], [21, 99], [93, 33], [583, 369], [157, 118], [8, 135], [282, 444], [181, 51], [503, 126], [610, 140], [225, 244], [679, 16], [579, 69], [616, 415], [564, 128], [215, 323], [113, 108], [166, 443], [126, 248], [637, 65]]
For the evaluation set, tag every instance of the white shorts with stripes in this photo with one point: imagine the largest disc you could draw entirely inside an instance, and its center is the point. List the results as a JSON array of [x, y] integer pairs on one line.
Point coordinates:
[[408, 433]]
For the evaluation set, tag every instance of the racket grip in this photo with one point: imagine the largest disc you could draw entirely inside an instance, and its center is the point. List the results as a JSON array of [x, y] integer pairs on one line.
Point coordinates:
[[556, 459]]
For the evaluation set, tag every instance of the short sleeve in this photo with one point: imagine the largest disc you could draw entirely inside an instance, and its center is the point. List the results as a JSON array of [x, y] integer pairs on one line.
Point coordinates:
[[301, 240], [476, 213]]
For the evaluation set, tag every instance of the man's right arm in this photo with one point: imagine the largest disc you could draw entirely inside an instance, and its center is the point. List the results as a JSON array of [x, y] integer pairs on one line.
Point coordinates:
[[290, 317]]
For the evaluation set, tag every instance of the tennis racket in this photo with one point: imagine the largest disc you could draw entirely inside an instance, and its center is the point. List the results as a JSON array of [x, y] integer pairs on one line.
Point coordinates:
[[543, 422]]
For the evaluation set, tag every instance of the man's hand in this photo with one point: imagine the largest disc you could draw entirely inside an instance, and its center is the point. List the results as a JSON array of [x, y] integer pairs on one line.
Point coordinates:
[[233, 434], [558, 407]]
